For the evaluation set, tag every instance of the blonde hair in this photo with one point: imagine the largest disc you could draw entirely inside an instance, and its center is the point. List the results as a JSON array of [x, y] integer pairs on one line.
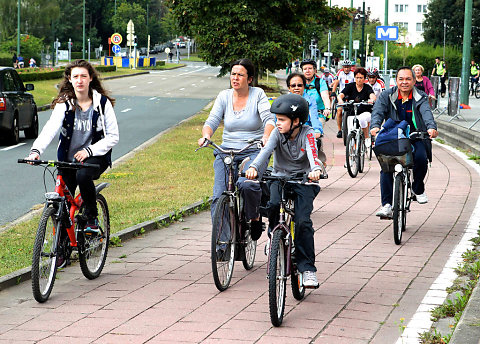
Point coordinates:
[[420, 66]]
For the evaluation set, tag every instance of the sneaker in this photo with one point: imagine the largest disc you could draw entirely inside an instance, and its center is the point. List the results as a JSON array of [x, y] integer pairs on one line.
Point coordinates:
[[368, 142], [256, 229], [92, 228], [310, 279], [385, 212], [339, 134], [422, 199]]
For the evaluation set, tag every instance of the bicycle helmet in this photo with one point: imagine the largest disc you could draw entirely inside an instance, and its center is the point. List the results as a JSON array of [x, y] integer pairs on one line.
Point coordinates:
[[347, 63], [372, 72], [326, 70], [291, 105], [306, 62]]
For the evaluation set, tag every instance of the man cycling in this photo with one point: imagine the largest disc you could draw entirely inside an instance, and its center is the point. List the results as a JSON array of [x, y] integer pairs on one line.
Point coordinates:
[[404, 102], [316, 88], [343, 77], [328, 77], [375, 82], [474, 75]]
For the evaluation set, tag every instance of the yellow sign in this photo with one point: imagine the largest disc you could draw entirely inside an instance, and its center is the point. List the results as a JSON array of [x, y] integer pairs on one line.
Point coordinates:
[[116, 38]]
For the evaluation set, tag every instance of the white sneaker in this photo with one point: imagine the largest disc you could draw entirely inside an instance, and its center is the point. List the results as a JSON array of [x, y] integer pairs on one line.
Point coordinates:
[[368, 142], [310, 279], [422, 199], [385, 212]]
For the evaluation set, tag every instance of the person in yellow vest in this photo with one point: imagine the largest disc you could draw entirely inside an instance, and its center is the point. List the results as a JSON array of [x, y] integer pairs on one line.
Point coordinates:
[[439, 69], [474, 76]]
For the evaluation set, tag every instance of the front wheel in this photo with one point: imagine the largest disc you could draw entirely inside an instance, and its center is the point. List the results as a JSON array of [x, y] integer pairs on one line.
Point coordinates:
[[44, 260], [361, 153], [344, 126], [277, 278], [223, 243], [399, 211], [351, 155], [477, 91], [93, 252], [249, 250]]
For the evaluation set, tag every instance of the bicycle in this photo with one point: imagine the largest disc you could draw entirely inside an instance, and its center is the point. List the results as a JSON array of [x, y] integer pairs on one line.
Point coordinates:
[[402, 167], [333, 105], [474, 88], [355, 150], [281, 251], [231, 237], [64, 213]]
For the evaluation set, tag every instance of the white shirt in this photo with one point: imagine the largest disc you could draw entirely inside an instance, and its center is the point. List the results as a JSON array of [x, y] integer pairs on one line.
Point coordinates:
[[344, 79]]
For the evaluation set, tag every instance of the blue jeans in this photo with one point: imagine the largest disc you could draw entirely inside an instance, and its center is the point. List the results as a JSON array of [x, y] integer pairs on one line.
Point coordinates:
[[420, 168]]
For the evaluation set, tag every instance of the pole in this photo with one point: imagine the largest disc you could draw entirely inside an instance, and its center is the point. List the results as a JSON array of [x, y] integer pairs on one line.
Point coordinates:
[[69, 50], [445, 35], [89, 50], [467, 41], [329, 59], [18, 28], [362, 51], [385, 48], [350, 39], [83, 44]]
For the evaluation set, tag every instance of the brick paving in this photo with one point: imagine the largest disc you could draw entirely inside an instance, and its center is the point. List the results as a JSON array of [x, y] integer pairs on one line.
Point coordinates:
[[158, 288]]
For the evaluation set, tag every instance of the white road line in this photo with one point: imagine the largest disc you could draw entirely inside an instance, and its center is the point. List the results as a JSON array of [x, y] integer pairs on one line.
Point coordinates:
[[12, 147], [150, 82], [193, 71], [437, 293], [133, 86], [194, 85], [153, 98], [164, 78], [182, 88], [126, 110]]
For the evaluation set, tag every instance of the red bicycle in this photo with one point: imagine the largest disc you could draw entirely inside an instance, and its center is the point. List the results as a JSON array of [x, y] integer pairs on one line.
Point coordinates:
[[60, 231]]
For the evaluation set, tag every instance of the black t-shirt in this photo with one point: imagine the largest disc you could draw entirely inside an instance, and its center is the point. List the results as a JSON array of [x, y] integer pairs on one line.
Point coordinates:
[[351, 93], [419, 85]]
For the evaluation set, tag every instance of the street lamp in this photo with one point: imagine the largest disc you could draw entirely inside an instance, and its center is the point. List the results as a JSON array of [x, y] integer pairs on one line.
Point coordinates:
[[444, 35], [83, 45], [18, 28]]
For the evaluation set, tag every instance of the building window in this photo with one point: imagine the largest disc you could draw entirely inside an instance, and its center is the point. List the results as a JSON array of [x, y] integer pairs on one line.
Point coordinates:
[[401, 25], [419, 8], [420, 27], [424, 8], [396, 8], [401, 8]]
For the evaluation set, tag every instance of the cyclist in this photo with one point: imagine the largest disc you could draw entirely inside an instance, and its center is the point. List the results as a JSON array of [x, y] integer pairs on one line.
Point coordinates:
[[358, 92], [295, 151], [375, 82], [405, 102], [317, 88], [474, 75], [343, 77], [246, 115], [328, 77], [439, 69], [83, 113]]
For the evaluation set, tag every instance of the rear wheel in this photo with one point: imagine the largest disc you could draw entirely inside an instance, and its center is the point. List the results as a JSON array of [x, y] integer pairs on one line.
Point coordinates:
[[14, 135], [344, 126], [277, 278], [44, 260], [32, 132], [93, 252], [361, 153], [223, 243], [399, 212], [351, 155], [250, 249], [477, 91]]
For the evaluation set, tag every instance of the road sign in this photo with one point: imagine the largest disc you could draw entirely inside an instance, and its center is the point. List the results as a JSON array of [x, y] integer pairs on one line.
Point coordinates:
[[116, 49], [167, 50], [116, 38], [387, 33], [327, 54], [356, 44]]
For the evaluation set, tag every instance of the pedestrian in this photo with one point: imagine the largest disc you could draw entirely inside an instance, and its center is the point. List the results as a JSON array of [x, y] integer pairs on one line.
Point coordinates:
[[474, 75], [423, 83], [439, 69], [245, 112], [32, 62], [170, 56], [15, 61], [21, 62], [84, 115]]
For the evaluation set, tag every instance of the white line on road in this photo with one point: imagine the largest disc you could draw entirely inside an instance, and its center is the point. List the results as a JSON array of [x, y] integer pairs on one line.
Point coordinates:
[[182, 88], [150, 82], [12, 147], [193, 71], [126, 110], [153, 98], [194, 85], [133, 86]]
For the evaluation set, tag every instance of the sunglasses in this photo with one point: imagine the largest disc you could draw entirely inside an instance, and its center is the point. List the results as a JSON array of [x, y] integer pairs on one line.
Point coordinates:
[[296, 85]]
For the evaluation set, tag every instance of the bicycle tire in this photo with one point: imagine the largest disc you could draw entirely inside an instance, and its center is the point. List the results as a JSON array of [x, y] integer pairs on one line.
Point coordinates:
[[223, 260], [333, 111], [93, 250], [249, 250], [344, 127], [361, 154], [399, 220], [477, 91], [350, 155], [277, 278], [298, 290], [370, 151], [44, 258]]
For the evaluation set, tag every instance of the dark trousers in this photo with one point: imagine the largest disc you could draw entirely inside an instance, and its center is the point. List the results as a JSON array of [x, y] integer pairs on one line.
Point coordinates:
[[84, 178], [303, 200], [420, 168], [443, 86]]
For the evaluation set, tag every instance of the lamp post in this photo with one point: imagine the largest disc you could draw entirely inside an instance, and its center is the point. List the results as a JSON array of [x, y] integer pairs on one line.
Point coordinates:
[[329, 58], [18, 28], [350, 40], [362, 56], [444, 36], [83, 45], [385, 47], [467, 41]]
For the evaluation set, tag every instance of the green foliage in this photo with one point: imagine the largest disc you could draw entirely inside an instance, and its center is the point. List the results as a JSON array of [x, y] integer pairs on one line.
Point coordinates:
[[30, 46], [270, 33], [115, 241], [450, 308], [37, 74]]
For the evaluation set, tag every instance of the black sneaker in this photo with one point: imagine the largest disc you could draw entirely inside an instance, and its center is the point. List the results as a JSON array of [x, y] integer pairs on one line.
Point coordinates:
[[256, 229], [92, 228], [339, 134]]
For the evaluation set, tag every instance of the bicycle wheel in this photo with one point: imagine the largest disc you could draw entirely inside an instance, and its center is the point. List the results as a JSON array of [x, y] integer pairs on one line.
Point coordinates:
[[44, 260], [93, 251], [351, 155], [477, 91], [399, 218], [298, 290], [223, 243], [277, 278], [250, 249], [361, 153], [344, 126], [333, 111]]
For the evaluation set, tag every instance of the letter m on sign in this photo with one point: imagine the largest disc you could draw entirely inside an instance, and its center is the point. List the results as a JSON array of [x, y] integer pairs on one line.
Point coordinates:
[[387, 33]]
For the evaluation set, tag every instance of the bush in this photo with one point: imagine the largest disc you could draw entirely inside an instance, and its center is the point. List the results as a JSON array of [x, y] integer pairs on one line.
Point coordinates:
[[36, 74]]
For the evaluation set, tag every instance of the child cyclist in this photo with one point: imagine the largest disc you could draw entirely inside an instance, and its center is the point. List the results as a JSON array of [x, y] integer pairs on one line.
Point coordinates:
[[84, 115], [294, 148]]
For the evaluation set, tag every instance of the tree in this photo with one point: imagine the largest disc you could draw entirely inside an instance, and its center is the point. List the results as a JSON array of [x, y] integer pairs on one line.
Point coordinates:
[[270, 33], [131, 11]]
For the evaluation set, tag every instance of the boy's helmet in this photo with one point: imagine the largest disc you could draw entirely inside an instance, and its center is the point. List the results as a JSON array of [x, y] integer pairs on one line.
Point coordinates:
[[291, 105]]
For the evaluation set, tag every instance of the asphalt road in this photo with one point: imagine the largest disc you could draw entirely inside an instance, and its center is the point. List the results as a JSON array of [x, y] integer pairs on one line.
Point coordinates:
[[145, 106]]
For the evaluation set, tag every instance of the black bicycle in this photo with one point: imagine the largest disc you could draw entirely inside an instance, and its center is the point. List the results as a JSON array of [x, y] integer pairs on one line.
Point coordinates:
[[231, 237]]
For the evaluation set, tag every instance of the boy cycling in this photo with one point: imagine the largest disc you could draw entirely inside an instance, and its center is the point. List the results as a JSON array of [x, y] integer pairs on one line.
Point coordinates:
[[295, 151]]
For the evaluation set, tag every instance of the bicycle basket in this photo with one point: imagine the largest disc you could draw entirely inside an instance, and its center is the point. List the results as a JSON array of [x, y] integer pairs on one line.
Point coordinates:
[[395, 147], [388, 162]]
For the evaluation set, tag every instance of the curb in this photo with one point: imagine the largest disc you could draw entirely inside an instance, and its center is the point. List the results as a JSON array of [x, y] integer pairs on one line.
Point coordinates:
[[458, 136], [468, 328]]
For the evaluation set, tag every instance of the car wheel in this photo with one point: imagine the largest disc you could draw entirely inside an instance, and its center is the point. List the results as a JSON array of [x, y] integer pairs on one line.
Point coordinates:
[[14, 132], [32, 132]]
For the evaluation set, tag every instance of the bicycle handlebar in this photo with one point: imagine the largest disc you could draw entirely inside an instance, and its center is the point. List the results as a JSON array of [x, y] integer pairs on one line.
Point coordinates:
[[419, 135], [351, 102], [251, 142], [61, 164]]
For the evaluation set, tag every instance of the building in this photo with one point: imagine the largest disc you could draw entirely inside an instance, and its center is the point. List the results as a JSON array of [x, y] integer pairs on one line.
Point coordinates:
[[408, 14]]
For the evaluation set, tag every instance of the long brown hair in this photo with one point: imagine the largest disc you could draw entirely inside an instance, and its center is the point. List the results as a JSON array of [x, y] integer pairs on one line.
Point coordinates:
[[66, 90]]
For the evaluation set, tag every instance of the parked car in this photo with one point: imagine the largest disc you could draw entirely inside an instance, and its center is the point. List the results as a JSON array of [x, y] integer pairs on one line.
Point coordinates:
[[170, 44], [143, 51], [181, 44], [18, 110]]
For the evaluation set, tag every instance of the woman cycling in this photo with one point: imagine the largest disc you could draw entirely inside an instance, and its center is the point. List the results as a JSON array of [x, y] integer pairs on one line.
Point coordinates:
[[84, 115], [246, 115], [423, 83]]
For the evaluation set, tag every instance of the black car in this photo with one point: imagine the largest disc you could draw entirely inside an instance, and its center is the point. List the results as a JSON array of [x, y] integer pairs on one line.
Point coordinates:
[[18, 110]]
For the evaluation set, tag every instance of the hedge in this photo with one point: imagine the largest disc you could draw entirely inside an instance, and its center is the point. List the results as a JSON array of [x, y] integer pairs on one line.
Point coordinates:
[[36, 74]]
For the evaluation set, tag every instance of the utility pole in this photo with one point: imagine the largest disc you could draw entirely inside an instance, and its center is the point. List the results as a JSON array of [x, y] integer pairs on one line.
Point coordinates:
[[444, 36], [467, 41], [18, 28], [83, 44], [362, 56], [350, 40], [329, 58], [385, 48]]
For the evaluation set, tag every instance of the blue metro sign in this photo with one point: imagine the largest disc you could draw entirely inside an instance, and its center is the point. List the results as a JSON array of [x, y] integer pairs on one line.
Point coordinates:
[[387, 33]]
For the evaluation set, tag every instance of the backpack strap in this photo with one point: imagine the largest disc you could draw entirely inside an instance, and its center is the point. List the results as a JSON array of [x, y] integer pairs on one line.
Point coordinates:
[[317, 85]]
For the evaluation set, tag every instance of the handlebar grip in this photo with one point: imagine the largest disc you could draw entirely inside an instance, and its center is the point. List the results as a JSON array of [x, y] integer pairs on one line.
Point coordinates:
[[26, 161]]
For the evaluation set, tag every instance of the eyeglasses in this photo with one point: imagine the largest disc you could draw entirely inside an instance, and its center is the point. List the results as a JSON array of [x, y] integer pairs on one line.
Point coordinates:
[[237, 74], [296, 85]]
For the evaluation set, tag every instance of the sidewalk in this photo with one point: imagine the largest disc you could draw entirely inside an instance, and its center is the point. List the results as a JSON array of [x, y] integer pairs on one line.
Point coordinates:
[[158, 288]]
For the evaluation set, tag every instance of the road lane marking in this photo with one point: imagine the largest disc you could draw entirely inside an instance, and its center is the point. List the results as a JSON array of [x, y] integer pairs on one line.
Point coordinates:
[[182, 88], [12, 147], [126, 110], [153, 98], [150, 82], [193, 71], [133, 86]]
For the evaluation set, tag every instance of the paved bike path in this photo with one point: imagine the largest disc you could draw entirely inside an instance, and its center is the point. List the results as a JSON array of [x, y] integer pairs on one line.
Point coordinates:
[[158, 288]]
